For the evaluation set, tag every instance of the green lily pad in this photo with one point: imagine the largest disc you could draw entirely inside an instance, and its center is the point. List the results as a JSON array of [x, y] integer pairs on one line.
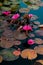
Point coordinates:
[[8, 54], [15, 7], [28, 3], [6, 8], [6, 3]]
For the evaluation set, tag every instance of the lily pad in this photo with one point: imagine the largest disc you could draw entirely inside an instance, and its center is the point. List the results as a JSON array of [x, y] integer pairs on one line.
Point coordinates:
[[40, 61], [31, 35], [1, 59], [24, 10], [28, 3], [6, 8], [24, 53], [5, 43], [39, 49], [17, 43], [8, 55], [15, 7], [34, 18], [19, 35], [38, 41], [28, 53], [37, 63], [39, 32], [32, 54], [8, 33], [35, 26], [37, 22]]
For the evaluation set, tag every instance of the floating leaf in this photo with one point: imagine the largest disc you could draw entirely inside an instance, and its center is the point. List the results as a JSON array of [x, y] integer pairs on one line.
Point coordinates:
[[40, 61], [24, 53], [34, 18], [39, 32], [6, 43], [19, 35], [38, 41], [37, 22], [1, 59], [28, 53], [28, 3], [8, 55], [16, 42], [32, 54], [37, 63], [39, 49], [24, 10], [15, 7], [6, 8]]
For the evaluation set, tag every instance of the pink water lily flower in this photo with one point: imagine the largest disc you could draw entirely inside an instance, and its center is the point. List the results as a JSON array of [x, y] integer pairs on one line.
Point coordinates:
[[6, 13], [27, 28], [30, 15], [15, 16], [31, 42]]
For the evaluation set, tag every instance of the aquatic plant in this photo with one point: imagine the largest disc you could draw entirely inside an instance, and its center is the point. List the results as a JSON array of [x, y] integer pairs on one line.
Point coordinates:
[[19, 30]]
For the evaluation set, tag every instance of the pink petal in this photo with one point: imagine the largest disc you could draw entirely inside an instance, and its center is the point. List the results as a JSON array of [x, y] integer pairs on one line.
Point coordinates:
[[30, 15], [27, 27], [6, 12], [15, 16], [30, 42]]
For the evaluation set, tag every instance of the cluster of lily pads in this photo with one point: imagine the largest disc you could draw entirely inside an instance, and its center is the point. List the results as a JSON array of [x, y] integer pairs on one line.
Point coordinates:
[[14, 31], [14, 5], [19, 32]]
